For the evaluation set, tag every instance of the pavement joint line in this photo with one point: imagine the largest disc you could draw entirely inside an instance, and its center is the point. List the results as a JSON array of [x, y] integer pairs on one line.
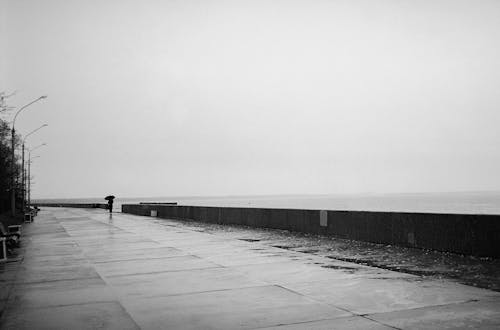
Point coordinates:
[[319, 301], [72, 304], [311, 321], [21, 284], [63, 279], [379, 322], [115, 240], [368, 315], [137, 259], [159, 272], [197, 292]]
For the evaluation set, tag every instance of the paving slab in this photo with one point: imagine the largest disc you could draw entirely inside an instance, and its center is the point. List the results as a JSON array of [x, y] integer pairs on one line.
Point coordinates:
[[365, 295], [341, 323], [4, 291], [223, 248], [46, 229], [135, 254], [247, 308], [57, 293], [92, 236], [8, 276], [468, 315], [196, 243], [110, 315], [167, 283], [246, 259], [283, 273], [54, 250], [145, 266], [34, 261], [111, 244], [49, 236], [33, 274], [83, 224], [120, 247]]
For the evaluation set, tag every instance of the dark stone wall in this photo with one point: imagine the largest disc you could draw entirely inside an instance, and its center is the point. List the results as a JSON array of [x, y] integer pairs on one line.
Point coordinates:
[[458, 233]]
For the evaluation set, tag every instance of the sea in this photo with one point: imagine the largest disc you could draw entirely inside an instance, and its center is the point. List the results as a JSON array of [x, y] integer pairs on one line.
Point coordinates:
[[452, 202]]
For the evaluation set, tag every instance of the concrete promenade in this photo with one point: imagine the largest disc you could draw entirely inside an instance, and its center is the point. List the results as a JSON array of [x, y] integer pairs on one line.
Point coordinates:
[[81, 269]]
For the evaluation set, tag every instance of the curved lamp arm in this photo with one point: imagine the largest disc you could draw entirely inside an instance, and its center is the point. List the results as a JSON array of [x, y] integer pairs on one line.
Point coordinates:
[[41, 145], [24, 107], [33, 131]]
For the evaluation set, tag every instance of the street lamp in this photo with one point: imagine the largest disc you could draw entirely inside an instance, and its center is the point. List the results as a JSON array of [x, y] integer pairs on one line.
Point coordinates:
[[29, 177], [38, 146], [33, 131], [23, 180], [30, 160], [12, 192]]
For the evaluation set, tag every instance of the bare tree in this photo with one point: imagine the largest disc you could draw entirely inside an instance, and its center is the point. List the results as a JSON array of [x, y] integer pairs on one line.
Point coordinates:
[[4, 107], [5, 152]]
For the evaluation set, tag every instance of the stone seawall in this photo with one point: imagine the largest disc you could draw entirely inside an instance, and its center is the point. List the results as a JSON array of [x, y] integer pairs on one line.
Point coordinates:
[[468, 234]]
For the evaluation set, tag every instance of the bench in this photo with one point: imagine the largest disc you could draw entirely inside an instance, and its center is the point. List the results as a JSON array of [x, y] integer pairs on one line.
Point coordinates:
[[15, 229], [12, 239]]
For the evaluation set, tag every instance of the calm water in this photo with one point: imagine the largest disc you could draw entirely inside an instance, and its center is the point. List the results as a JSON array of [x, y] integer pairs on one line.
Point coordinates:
[[471, 202]]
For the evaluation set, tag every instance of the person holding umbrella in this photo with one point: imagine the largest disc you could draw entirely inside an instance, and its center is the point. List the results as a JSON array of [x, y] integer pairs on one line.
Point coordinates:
[[110, 199]]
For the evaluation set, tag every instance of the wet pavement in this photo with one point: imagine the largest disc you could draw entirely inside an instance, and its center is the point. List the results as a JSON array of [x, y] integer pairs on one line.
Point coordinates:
[[81, 269], [469, 270]]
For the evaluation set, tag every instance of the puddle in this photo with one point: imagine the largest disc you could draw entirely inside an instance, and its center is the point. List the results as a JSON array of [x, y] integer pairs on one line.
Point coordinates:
[[249, 239], [343, 268], [282, 247], [309, 251]]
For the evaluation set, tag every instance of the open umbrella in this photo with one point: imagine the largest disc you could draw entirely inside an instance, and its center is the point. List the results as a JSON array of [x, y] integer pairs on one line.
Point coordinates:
[[110, 197]]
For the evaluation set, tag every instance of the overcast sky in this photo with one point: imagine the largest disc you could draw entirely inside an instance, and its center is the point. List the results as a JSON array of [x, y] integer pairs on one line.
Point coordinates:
[[169, 98]]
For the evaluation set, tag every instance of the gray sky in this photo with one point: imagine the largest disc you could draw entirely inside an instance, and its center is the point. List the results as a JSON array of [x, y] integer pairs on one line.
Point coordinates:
[[159, 98]]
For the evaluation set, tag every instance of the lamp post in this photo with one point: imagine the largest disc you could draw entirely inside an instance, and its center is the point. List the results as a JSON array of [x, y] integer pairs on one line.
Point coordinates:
[[12, 167], [29, 181], [29, 170], [23, 180]]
